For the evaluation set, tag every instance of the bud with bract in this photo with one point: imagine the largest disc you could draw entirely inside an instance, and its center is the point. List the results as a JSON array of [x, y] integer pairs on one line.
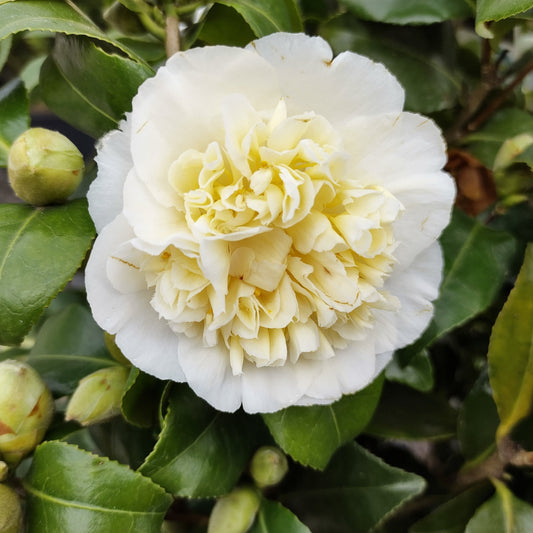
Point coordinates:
[[235, 512], [26, 408], [268, 467], [44, 167], [98, 396], [10, 511]]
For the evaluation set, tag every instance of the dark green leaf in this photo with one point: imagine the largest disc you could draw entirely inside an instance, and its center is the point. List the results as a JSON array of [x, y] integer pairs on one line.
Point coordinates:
[[512, 377], [40, 250], [274, 518], [69, 103], [417, 373], [5, 47], [476, 263], [353, 494], [490, 10], [311, 435], [507, 123], [404, 413], [408, 12], [54, 16], [71, 490], [452, 516], [502, 513], [140, 402], [201, 452], [478, 421], [267, 16], [88, 87], [62, 372], [429, 85], [14, 116], [224, 25], [71, 331], [68, 347]]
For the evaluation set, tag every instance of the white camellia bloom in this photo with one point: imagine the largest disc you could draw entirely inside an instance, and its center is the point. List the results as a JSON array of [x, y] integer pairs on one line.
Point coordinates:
[[267, 223]]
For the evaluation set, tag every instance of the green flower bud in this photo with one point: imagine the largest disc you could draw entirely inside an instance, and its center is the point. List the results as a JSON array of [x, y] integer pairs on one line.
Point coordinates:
[[235, 512], [114, 350], [44, 167], [98, 396], [269, 466], [10, 511], [26, 408]]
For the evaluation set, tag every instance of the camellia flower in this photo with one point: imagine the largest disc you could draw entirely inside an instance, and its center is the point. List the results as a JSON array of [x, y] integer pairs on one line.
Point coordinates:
[[267, 223]]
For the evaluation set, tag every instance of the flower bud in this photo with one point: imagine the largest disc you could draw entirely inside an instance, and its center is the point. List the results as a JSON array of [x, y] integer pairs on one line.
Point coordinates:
[[235, 512], [10, 511], [4, 469], [44, 167], [269, 466], [98, 396], [26, 408]]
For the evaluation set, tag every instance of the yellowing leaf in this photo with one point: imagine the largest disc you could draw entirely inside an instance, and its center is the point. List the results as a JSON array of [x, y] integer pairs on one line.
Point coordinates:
[[511, 351]]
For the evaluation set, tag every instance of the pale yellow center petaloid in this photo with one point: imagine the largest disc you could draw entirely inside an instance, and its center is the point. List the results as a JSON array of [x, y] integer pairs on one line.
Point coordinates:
[[302, 249]]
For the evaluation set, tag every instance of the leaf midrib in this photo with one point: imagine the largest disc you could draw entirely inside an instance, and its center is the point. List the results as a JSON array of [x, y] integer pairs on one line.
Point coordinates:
[[85, 506], [11, 245]]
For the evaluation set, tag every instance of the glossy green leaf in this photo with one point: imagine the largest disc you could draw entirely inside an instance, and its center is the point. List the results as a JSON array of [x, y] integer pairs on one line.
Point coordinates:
[[311, 435], [14, 116], [408, 12], [429, 85], [453, 515], [417, 373], [72, 490], [478, 421], [54, 16], [88, 87], [68, 347], [5, 47], [476, 262], [511, 351], [201, 452], [71, 331], [274, 518], [140, 402], [224, 25], [485, 143], [40, 250], [496, 10], [503, 513], [355, 492], [404, 413], [267, 16]]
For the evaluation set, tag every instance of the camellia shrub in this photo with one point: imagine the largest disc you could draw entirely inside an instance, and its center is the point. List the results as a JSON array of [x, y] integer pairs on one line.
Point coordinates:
[[264, 266]]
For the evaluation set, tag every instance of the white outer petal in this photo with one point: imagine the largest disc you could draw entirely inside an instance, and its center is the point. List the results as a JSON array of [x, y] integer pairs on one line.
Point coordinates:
[[145, 340], [405, 154], [271, 388], [428, 201], [416, 286], [350, 85], [208, 373], [114, 162]]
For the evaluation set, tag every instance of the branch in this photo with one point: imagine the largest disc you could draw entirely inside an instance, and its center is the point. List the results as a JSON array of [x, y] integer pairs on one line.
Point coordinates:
[[500, 99]]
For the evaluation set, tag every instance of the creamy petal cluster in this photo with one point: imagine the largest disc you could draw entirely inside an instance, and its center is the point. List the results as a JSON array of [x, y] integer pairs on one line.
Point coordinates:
[[267, 223]]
